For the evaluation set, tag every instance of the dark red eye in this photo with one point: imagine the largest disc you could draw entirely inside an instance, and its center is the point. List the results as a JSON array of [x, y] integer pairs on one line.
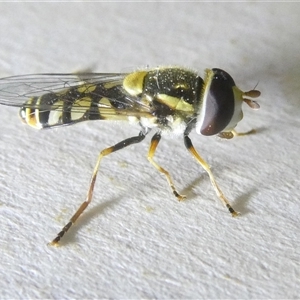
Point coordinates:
[[218, 103]]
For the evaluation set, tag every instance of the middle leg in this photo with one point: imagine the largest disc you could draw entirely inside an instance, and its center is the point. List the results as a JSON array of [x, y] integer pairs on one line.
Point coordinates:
[[154, 142]]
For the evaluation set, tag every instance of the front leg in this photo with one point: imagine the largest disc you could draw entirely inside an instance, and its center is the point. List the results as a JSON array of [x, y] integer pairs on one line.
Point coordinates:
[[205, 166]]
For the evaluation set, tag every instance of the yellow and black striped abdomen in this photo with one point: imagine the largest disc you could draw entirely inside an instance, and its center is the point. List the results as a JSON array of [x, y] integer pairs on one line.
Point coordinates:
[[73, 105]]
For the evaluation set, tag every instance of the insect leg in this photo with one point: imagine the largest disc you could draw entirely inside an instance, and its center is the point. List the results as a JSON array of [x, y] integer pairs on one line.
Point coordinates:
[[154, 142], [83, 206], [235, 133], [203, 163]]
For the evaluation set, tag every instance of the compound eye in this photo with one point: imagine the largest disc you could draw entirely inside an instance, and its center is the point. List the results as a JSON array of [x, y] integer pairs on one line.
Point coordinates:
[[217, 103]]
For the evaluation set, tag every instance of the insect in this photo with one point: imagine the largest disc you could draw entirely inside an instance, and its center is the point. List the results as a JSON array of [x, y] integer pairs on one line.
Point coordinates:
[[163, 100]]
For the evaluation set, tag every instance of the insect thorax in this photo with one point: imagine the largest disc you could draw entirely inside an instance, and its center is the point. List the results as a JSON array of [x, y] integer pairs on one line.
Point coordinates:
[[173, 94]]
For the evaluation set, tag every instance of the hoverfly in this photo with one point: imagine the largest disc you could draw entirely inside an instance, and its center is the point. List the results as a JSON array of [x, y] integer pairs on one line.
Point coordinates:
[[163, 99]]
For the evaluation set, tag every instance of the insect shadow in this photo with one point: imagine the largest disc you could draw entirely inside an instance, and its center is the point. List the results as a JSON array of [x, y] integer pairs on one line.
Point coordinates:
[[240, 202]]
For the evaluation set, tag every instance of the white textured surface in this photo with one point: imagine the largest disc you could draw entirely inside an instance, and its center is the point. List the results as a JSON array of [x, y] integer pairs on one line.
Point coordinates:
[[136, 241]]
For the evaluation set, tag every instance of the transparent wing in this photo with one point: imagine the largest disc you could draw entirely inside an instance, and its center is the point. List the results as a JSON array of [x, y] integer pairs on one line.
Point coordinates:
[[15, 90], [64, 89]]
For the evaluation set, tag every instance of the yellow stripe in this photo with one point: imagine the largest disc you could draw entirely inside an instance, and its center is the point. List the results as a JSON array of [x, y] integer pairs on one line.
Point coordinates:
[[175, 103], [134, 82], [86, 88], [30, 115]]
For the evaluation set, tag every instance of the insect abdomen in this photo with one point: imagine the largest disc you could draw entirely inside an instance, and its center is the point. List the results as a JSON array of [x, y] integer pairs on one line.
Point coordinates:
[[63, 108], [40, 116]]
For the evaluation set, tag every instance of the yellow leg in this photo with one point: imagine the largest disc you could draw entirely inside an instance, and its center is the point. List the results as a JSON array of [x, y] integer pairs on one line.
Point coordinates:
[[243, 133], [202, 162], [154, 142], [88, 199], [230, 134]]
